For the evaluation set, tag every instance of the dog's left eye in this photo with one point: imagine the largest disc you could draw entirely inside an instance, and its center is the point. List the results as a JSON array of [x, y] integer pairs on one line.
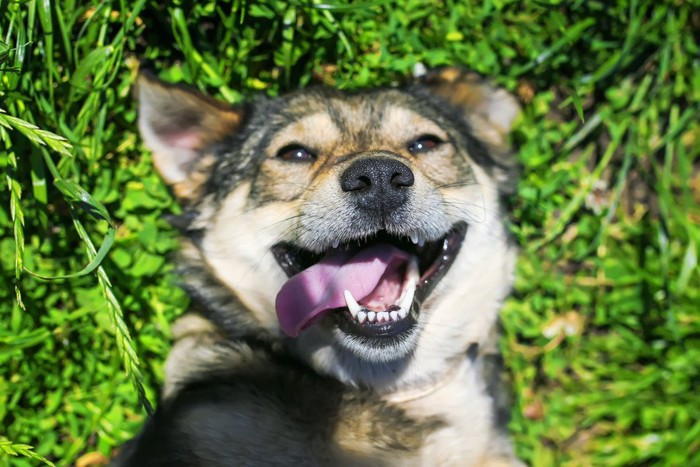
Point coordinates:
[[295, 153], [424, 144]]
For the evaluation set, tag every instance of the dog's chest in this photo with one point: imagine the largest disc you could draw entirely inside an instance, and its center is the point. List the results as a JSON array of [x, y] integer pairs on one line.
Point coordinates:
[[466, 412]]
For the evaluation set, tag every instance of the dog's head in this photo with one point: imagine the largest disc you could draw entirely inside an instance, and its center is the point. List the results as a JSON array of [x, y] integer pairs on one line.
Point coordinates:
[[364, 229]]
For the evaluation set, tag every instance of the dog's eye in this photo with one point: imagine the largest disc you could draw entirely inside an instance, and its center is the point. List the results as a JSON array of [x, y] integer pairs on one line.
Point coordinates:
[[424, 143], [296, 153]]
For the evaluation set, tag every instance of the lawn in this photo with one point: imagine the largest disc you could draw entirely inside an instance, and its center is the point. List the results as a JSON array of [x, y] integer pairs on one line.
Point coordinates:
[[602, 332]]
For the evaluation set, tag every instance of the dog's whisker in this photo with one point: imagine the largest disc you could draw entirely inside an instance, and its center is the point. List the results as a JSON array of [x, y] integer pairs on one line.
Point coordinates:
[[459, 184]]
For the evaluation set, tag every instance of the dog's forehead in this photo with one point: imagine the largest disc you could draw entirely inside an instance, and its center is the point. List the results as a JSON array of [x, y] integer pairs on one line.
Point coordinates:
[[353, 120]]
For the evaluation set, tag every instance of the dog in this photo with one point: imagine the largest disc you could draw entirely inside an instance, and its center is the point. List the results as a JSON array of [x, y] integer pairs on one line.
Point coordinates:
[[346, 256]]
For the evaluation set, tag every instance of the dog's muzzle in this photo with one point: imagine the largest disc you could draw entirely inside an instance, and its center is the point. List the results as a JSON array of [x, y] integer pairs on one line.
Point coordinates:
[[379, 265]]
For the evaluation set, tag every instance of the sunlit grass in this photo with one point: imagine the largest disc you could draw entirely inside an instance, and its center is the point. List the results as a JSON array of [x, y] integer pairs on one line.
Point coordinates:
[[602, 334]]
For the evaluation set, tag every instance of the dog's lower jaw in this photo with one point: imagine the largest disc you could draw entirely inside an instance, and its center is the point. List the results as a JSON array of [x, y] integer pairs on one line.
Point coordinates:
[[384, 376], [415, 370], [448, 324]]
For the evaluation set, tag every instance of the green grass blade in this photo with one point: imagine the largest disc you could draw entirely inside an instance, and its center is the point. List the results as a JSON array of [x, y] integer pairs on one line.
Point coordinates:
[[9, 448], [94, 262], [35, 134]]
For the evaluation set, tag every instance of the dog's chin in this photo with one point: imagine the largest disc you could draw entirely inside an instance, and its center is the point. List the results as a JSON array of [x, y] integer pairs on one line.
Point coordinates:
[[375, 343], [373, 330]]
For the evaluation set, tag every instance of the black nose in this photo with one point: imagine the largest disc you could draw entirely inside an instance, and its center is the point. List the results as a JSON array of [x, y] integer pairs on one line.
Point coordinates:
[[377, 183]]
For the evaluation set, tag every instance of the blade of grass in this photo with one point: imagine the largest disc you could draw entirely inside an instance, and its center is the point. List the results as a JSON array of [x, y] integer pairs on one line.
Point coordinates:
[[46, 21], [130, 358], [94, 263], [35, 134], [13, 449], [336, 27]]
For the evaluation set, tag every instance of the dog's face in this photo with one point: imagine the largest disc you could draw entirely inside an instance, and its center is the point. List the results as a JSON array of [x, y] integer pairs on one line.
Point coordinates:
[[364, 229]]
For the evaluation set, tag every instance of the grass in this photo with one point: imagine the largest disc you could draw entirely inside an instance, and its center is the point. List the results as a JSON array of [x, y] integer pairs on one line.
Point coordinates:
[[602, 333]]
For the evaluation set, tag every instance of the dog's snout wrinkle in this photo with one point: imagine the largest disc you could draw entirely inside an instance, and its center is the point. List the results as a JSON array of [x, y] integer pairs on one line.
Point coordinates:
[[378, 183]]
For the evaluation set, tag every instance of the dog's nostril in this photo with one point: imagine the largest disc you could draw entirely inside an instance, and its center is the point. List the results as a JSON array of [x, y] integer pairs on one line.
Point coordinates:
[[402, 179], [355, 182]]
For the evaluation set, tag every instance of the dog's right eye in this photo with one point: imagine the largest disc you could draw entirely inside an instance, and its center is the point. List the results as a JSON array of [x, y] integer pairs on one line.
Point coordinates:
[[295, 153], [424, 143]]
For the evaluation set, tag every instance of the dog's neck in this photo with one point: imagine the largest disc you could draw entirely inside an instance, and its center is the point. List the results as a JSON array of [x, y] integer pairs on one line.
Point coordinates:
[[425, 388]]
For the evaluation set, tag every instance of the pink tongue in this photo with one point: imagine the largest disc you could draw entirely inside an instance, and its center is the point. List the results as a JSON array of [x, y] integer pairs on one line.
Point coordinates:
[[319, 288]]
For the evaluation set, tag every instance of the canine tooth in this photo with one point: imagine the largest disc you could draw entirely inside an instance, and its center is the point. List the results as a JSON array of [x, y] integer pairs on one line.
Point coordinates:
[[361, 316], [421, 242], [394, 315], [414, 239], [336, 243], [352, 304], [371, 315], [382, 316], [413, 272], [412, 278], [407, 298]]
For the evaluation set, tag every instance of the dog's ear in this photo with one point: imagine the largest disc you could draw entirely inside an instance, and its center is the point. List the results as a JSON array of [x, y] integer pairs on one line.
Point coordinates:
[[489, 110], [178, 125]]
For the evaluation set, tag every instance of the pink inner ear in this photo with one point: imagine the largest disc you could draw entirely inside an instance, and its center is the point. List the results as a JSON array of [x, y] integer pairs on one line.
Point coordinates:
[[185, 140]]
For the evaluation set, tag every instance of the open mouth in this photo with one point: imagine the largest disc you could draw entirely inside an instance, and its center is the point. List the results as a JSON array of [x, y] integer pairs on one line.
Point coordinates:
[[372, 287]]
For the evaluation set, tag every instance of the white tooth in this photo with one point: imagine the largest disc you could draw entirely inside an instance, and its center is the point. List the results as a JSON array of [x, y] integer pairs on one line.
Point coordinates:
[[361, 316], [382, 316], [407, 298], [414, 239], [421, 242], [370, 316], [412, 278], [413, 272], [394, 315], [352, 304], [336, 243]]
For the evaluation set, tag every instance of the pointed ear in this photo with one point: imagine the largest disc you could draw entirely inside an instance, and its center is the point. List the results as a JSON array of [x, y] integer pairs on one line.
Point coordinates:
[[482, 102], [178, 124], [490, 111]]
